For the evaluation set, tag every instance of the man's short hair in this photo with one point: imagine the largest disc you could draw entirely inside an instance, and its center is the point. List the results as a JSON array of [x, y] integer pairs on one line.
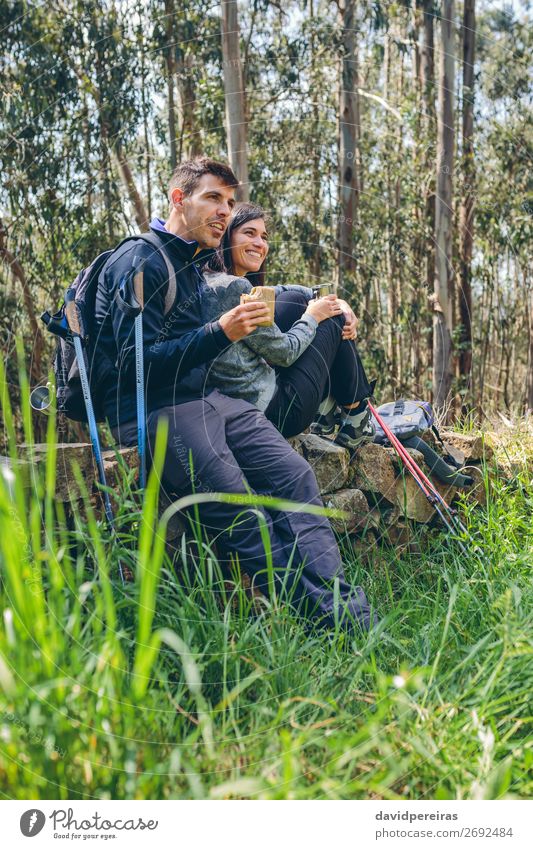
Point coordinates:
[[188, 174]]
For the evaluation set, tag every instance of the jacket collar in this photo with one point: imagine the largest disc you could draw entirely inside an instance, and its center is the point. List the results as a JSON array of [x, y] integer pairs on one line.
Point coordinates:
[[187, 251]]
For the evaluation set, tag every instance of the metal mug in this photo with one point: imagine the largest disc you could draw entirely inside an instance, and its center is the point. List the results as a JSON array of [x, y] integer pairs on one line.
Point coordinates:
[[42, 398], [322, 289]]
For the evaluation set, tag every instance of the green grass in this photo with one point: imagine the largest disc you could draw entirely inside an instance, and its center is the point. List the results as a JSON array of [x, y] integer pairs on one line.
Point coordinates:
[[181, 687]]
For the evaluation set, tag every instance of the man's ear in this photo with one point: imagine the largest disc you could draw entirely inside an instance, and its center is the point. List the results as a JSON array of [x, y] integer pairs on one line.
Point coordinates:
[[177, 196]]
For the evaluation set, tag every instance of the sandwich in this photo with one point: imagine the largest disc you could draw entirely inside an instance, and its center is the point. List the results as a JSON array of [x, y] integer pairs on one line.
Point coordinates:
[[262, 293]]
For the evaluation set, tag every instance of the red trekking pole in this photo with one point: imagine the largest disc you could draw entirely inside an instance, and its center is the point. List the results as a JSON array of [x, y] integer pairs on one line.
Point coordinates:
[[447, 514]]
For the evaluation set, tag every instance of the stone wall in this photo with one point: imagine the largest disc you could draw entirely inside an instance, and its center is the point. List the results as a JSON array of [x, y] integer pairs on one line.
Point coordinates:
[[371, 487]]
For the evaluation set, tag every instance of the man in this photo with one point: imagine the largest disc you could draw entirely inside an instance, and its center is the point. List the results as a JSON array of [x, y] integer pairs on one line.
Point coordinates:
[[215, 444]]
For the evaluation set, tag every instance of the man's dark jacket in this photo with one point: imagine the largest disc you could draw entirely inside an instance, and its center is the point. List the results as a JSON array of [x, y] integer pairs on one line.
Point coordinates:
[[176, 346]]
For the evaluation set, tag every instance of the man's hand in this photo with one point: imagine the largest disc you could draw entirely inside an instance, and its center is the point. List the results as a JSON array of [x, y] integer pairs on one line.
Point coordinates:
[[242, 320], [349, 330]]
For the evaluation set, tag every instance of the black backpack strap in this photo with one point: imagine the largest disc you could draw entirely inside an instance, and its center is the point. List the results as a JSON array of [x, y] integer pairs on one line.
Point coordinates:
[[437, 465], [170, 296], [56, 324], [124, 307], [447, 456], [436, 434], [153, 239]]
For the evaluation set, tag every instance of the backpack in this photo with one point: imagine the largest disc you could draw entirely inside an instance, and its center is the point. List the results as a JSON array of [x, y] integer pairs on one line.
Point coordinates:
[[68, 388], [405, 419], [408, 420]]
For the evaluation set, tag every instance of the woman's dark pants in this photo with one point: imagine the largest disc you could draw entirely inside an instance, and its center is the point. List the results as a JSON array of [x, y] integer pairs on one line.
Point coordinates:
[[329, 366]]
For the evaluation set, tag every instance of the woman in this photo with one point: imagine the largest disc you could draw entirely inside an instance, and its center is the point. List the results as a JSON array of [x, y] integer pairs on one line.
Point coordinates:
[[298, 370]]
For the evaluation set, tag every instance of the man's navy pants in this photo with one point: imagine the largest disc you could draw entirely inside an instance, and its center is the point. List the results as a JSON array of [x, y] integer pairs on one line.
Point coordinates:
[[235, 449]]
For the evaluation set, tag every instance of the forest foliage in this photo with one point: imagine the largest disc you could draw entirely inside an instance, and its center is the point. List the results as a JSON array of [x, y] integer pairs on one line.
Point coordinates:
[[180, 684], [102, 98]]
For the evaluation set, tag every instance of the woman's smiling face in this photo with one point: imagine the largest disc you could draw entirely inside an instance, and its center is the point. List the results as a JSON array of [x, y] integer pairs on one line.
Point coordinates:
[[249, 247]]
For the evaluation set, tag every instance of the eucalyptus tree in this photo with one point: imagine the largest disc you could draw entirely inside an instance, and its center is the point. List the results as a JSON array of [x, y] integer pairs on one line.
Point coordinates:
[[427, 88], [502, 283], [442, 303], [186, 46], [102, 97], [38, 158], [349, 136], [235, 95], [466, 222]]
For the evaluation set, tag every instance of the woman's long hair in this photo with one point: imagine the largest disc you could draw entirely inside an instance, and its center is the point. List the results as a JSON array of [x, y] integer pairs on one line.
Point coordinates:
[[222, 260]]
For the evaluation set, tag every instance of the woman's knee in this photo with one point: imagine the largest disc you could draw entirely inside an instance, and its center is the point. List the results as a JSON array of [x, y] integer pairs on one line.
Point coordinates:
[[331, 330], [292, 298], [290, 306]]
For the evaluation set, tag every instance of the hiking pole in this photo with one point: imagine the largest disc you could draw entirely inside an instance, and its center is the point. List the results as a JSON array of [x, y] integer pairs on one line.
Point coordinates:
[[131, 303], [138, 289], [414, 467], [453, 513], [425, 484], [76, 330], [433, 496]]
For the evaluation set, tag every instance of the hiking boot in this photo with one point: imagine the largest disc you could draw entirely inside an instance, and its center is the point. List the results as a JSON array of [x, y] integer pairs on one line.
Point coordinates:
[[325, 425], [357, 431]]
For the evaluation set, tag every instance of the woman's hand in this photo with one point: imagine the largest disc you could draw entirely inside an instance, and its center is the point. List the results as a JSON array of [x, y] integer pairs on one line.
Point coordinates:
[[322, 308], [242, 320], [349, 330]]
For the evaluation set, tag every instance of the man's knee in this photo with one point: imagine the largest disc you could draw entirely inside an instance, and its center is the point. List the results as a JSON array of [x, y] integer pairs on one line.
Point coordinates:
[[302, 478]]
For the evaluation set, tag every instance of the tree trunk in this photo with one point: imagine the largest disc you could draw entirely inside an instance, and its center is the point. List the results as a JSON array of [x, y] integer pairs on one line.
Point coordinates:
[[146, 134], [485, 333], [87, 156], [427, 87], [98, 91], [400, 257], [420, 241], [104, 160], [141, 215], [236, 127], [170, 58], [442, 312], [349, 134], [529, 388], [38, 338], [415, 36], [190, 141], [466, 222], [390, 244], [427, 60], [316, 195]]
